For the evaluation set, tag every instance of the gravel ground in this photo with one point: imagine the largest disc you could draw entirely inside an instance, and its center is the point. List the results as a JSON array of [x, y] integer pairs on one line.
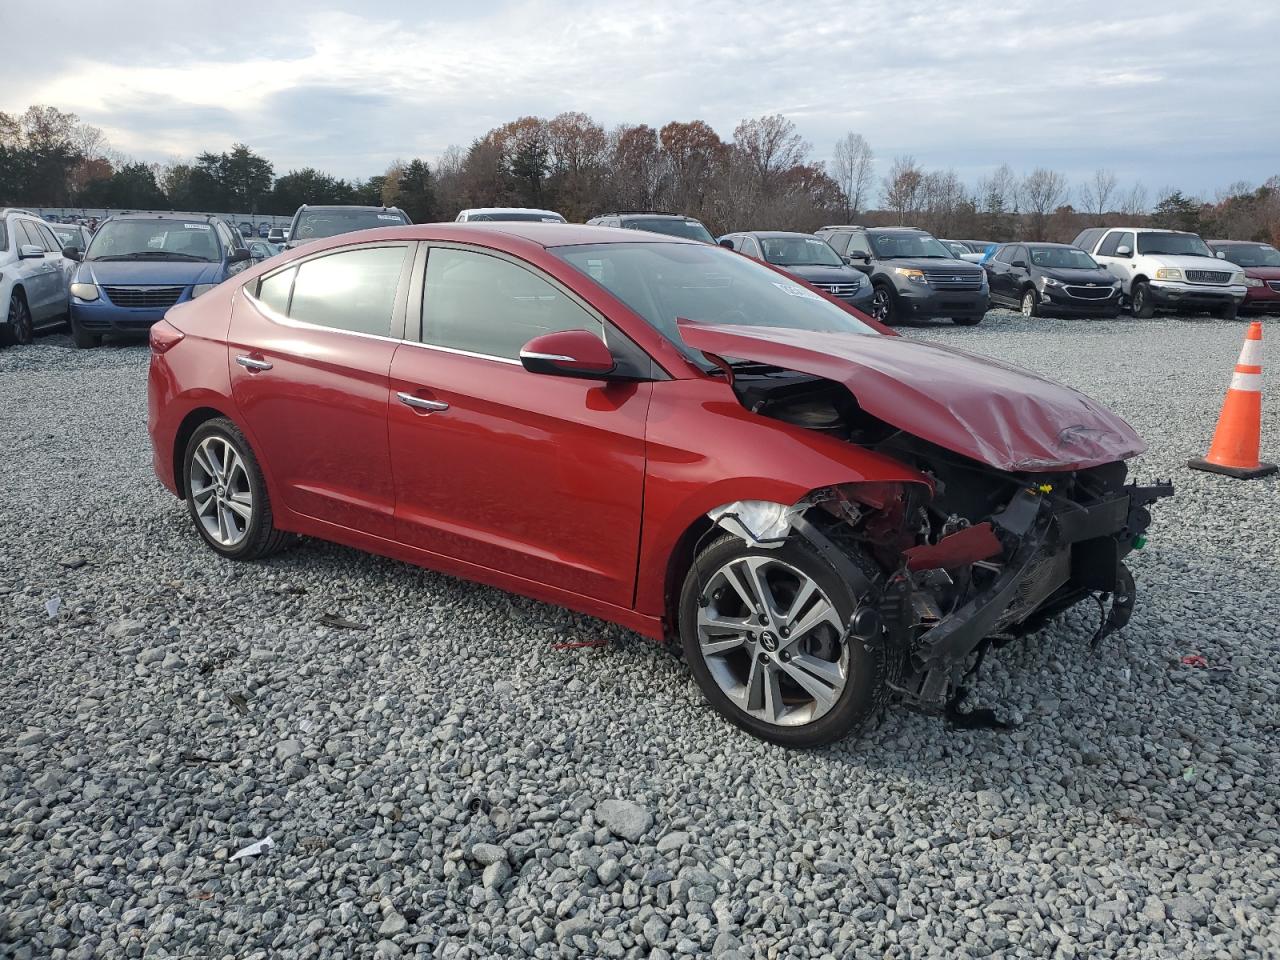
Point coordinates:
[[448, 783]]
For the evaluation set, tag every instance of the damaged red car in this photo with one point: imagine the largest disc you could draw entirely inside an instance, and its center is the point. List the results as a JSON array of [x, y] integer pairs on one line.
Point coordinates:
[[661, 433]]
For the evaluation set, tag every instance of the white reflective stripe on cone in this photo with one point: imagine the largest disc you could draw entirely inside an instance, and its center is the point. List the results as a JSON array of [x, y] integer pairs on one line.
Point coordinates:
[[1251, 353], [1248, 382]]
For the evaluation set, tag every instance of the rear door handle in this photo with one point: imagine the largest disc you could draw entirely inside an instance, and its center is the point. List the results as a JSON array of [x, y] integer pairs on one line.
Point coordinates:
[[419, 403], [252, 364]]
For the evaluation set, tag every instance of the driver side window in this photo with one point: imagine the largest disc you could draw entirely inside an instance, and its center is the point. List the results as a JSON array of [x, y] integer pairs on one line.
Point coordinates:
[[485, 305]]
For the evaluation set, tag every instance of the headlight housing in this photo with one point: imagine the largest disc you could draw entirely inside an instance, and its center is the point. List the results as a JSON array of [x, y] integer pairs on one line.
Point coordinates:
[[1050, 282], [84, 291], [1252, 282], [200, 288], [1168, 273], [914, 274]]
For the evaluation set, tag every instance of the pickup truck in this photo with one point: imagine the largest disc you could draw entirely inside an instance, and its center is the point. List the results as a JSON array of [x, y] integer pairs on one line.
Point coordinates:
[[1165, 269]]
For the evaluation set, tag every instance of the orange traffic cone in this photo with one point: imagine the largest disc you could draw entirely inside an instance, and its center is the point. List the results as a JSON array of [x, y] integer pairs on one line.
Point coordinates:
[[1234, 450]]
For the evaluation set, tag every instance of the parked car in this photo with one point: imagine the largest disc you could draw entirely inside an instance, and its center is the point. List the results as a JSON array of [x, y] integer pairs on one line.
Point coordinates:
[[139, 265], [970, 250], [262, 250], [671, 224], [509, 215], [71, 235], [246, 229], [1261, 265], [316, 223], [659, 433], [912, 274], [277, 235], [264, 230], [957, 249], [34, 276], [807, 257], [1165, 269], [1051, 278]]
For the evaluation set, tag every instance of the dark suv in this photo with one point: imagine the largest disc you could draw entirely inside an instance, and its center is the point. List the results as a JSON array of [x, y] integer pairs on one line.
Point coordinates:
[[315, 223], [672, 224], [1051, 278], [912, 274]]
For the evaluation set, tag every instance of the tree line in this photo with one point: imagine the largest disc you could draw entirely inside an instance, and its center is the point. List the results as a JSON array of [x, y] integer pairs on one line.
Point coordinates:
[[763, 177]]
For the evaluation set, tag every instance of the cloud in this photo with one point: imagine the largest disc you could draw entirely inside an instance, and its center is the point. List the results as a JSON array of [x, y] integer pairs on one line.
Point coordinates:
[[1168, 94]]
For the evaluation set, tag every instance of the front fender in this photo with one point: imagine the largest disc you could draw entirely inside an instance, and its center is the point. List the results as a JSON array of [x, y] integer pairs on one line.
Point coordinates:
[[705, 450]]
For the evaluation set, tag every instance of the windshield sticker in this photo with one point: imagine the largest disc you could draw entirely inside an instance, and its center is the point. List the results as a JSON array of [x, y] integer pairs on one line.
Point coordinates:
[[794, 290], [388, 216], [196, 226]]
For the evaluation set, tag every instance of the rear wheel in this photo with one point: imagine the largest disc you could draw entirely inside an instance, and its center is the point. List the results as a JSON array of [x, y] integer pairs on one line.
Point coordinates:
[[1030, 303], [19, 328], [883, 307], [1140, 302], [227, 494], [82, 338], [764, 634]]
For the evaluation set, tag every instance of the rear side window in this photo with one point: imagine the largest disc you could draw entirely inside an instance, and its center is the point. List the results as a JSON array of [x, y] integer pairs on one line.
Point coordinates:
[[4, 236], [50, 241], [839, 242], [858, 245], [489, 306], [273, 291], [750, 247], [28, 235], [1114, 241], [354, 290]]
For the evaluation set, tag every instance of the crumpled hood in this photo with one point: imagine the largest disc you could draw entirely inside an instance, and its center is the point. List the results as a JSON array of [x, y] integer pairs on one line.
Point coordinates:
[[160, 273], [998, 414]]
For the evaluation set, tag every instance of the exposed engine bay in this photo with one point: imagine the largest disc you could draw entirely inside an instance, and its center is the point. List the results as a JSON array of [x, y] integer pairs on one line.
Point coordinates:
[[985, 556]]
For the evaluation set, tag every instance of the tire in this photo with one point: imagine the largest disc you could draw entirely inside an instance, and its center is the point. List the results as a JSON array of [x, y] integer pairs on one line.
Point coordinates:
[[726, 676], [968, 321], [1228, 312], [19, 328], [82, 338], [239, 489], [1140, 303], [883, 305], [1030, 303]]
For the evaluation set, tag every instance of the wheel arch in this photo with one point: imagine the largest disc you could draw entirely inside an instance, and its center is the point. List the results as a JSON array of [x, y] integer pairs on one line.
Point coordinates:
[[189, 425]]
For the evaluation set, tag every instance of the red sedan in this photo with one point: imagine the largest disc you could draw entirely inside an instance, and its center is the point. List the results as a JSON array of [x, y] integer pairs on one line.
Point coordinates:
[[657, 432]]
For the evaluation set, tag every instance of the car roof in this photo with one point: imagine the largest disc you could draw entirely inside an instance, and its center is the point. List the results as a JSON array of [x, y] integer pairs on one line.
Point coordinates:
[[550, 213], [344, 206], [498, 233], [188, 217], [764, 234], [1039, 243], [1234, 243], [649, 214]]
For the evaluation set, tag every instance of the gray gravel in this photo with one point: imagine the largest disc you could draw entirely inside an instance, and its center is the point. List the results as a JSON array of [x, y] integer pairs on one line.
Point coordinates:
[[447, 784]]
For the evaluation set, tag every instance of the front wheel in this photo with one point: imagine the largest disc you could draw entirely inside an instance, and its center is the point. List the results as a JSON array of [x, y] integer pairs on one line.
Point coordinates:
[[1140, 302], [1030, 303], [226, 493], [883, 307], [1227, 312], [764, 632]]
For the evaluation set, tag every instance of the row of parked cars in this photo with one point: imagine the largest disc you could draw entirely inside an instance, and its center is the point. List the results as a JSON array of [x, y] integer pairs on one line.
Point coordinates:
[[124, 275]]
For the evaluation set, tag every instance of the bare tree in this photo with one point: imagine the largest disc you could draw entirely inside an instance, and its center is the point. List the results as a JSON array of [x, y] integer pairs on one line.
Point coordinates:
[[1043, 191], [1134, 203], [1096, 191], [770, 145], [902, 187], [852, 170], [998, 203]]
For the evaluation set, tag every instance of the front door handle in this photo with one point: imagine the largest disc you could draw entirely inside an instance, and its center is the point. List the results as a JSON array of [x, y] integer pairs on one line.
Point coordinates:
[[250, 363], [419, 403]]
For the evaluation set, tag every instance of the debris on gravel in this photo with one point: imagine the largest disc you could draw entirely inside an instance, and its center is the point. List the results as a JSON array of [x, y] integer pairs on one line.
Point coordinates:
[[448, 782]]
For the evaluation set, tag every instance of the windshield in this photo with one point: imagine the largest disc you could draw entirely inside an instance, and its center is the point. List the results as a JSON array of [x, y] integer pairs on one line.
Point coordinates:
[[890, 246], [154, 240], [314, 224], [522, 217], [671, 226], [1067, 258], [1173, 244], [800, 252], [1250, 254], [663, 281], [957, 248]]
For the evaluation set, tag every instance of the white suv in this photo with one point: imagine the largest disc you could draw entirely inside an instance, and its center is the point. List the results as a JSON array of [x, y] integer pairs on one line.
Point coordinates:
[[35, 278], [1168, 269]]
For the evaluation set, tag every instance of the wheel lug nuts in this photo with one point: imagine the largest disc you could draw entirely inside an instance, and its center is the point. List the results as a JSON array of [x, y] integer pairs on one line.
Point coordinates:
[[785, 632], [764, 620], [784, 656], [764, 657]]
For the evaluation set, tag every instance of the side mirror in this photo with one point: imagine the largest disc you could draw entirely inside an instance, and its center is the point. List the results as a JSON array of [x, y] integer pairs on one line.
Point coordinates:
[[239, 255], [568, 353], [726, 243], [1124, 251], [1221, 255], [71, 253], [29, 251], [1019, 263]]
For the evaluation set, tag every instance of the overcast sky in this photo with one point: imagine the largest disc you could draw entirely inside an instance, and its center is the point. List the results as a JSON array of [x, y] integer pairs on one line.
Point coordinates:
[[1172, 93]]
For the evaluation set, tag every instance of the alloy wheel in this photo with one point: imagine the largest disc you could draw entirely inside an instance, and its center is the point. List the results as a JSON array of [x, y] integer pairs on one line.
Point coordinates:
[[1028, 304], [219, 486], [772, 641], [20, 320], [880, 304]]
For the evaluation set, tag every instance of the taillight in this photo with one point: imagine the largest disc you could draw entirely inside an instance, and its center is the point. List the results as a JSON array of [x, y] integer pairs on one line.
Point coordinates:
[[164, 336]]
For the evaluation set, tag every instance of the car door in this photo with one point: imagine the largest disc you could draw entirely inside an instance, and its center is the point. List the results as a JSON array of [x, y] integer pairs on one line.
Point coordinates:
[[63, 270], [998, 273], [1109, 255], [859, 253], [40, 275], [533, 476], [1019, 272], [310, 347]]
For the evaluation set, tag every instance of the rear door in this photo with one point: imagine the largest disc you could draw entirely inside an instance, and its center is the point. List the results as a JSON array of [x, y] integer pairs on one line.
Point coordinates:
[[310, 349], [40, 275], [533, 476]]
